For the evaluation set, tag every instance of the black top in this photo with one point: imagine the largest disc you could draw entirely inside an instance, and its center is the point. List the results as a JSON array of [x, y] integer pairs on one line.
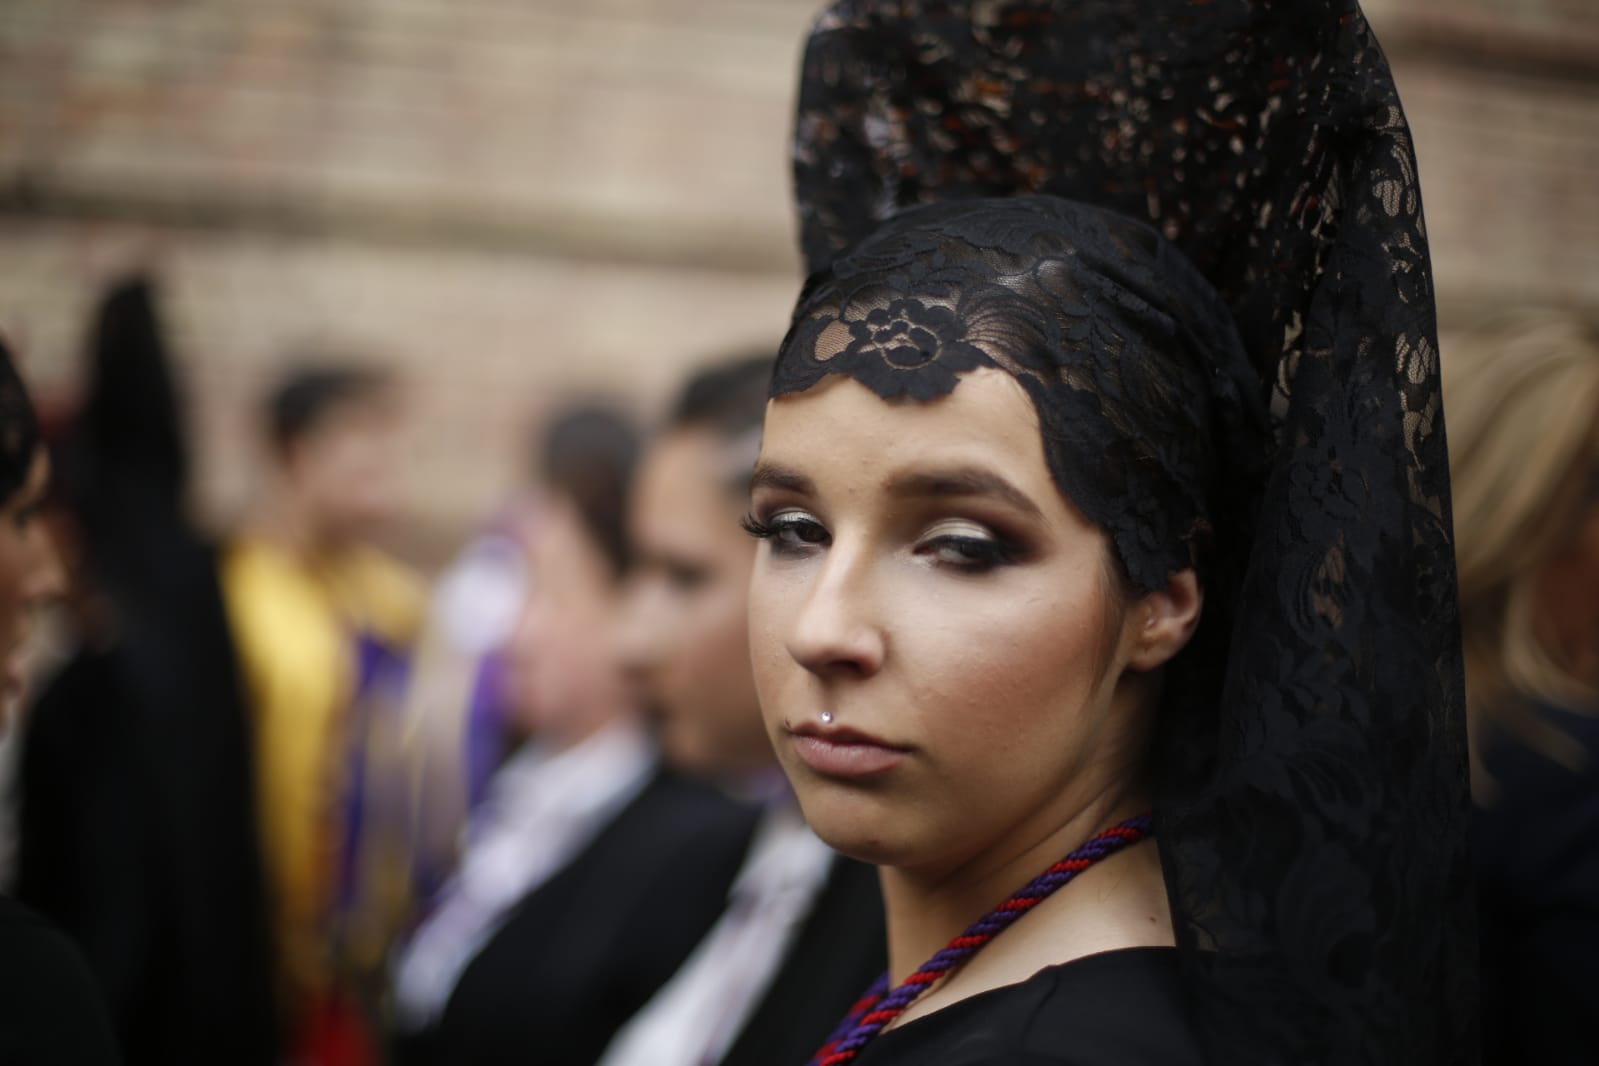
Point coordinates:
[[51, 1013], [1536, 850], [581, 953], [1118, 1008]]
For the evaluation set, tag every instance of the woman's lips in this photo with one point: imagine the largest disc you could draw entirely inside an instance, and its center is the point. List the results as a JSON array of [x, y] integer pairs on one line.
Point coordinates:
[[834, 752]]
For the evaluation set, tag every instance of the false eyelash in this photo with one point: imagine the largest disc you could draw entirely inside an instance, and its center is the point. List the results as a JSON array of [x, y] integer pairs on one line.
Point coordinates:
[[756, 528]]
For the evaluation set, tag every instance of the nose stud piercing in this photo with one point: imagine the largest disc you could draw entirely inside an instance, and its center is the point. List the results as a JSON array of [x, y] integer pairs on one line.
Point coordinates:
[[827, 717]]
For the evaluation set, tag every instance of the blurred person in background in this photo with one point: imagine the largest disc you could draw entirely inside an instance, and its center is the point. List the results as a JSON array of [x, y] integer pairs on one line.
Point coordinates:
[[802, 932], [454, 718], [137, 814], [324, 620], [1523, 403], [50, 1009], [459, 709], [589, 871]]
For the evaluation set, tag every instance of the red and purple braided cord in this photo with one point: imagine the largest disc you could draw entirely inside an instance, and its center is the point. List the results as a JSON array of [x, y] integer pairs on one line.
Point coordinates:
[[879, 1006]]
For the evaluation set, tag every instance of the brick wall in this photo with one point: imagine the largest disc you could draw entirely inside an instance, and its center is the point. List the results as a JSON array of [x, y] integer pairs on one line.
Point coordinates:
[[1503, 99], [514, 200]]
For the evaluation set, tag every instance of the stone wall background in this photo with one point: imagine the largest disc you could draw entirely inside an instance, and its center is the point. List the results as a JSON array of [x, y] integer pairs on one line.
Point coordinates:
[[518, 201]]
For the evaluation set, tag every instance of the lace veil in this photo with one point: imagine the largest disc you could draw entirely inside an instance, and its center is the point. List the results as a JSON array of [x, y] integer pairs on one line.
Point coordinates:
[[1222, 295]]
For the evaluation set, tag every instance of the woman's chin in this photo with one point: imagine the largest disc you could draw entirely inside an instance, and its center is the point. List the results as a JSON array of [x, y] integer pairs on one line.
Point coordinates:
[[861, 825]]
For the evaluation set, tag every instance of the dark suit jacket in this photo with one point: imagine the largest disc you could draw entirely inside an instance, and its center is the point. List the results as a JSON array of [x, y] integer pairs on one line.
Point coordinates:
[[840, 950], [589, 947]]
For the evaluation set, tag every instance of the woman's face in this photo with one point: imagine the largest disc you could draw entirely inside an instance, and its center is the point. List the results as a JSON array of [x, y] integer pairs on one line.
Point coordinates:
[[936, 633], [29, 574], [685, 638]]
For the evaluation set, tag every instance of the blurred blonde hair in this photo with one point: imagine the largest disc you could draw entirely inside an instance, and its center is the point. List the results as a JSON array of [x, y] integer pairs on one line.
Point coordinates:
[[1522, 400]]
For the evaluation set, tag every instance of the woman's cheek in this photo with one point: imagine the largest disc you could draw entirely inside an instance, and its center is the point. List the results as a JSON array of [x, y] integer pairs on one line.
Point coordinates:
[[775, 598], [1019, 685]]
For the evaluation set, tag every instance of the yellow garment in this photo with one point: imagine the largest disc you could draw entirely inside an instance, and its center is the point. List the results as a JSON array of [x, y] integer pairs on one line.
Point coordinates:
[[296, 626]]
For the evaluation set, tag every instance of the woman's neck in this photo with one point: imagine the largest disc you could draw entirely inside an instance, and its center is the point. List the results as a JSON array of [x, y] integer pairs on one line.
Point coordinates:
[[1119, 902]]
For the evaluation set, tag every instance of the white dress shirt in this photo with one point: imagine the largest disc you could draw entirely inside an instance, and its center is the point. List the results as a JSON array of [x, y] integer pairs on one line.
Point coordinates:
[[542, 808], [694, 1019]]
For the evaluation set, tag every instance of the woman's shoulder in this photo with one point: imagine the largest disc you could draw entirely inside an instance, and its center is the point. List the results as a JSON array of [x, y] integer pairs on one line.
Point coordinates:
[[1116, 1008], [34, 950], [50, 1007]]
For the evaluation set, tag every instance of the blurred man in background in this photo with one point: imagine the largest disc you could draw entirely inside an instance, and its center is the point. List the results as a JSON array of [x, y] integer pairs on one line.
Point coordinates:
[[589, 872], [324, 621]]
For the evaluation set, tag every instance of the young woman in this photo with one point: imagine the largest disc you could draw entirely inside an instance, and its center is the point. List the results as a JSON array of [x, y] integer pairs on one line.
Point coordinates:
[[1073, 536], [1523, 399], [963, 690]]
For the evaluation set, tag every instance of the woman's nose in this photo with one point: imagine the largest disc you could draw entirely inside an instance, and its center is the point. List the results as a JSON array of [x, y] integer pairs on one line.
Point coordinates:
[[835, 631], [641, 626]]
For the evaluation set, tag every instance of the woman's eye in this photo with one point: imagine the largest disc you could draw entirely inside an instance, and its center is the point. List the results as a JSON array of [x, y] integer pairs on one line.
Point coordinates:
[[969, 554], [790, 532]]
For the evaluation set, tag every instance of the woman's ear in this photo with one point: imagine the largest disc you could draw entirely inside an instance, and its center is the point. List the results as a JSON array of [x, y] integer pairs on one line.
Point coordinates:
[[1164, 621]]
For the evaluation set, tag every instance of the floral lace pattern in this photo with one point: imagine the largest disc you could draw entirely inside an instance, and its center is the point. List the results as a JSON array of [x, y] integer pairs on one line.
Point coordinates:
[[1313, 806], [913, 348], [1127, 353]]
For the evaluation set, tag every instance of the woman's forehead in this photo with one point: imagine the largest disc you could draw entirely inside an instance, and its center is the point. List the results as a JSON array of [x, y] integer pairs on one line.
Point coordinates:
[[839, 431]]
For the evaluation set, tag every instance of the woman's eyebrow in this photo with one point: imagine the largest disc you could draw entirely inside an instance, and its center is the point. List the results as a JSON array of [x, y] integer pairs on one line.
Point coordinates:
[[771, 476], [963, 481]]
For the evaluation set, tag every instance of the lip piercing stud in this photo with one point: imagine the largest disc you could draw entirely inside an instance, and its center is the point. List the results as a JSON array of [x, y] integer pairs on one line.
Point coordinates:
[[827, 717]]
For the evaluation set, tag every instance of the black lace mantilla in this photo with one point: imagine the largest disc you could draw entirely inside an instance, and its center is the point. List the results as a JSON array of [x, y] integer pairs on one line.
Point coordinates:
[[1313, 806], [1128, 356]]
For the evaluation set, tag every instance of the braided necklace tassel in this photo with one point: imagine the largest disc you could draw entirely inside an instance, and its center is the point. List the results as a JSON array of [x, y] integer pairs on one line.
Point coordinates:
[[880, 1005]]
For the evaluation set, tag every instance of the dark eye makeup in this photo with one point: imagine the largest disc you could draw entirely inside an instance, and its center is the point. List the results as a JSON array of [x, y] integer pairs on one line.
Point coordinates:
[[790, 532], [969, 554], [795, 533]]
